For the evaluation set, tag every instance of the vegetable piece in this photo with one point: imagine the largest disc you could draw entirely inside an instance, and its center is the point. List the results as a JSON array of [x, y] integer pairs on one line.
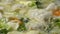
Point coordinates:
[[32, 4], [21, 27], [15, 20], [57, 22], [4, 28], [56, 12], [3, 31], [39, 4], [12, 18], [25, 20]]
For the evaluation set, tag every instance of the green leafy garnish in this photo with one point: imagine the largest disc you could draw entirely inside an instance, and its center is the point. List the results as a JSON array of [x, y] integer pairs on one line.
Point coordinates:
[[57, 22], [22, 27], [38, 4], [25, 20], [3, 31], [32, 4]]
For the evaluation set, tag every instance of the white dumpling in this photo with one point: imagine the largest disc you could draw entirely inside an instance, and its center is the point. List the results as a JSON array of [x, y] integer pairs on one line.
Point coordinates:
[[13, 25], [38, 16], [37, 13], [35, 25], [17, 6], [51, 6]]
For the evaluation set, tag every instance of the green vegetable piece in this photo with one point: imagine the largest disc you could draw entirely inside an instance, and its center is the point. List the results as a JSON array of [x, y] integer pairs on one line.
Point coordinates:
[[22, 27], [38, 4], [3, 31]]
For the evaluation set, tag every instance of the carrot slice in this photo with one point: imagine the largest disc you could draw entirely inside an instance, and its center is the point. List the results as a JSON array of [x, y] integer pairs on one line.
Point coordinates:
[[56, 12]]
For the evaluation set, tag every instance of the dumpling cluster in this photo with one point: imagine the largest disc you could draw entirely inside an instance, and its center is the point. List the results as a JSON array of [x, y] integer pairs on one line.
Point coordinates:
[[37, 19]]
